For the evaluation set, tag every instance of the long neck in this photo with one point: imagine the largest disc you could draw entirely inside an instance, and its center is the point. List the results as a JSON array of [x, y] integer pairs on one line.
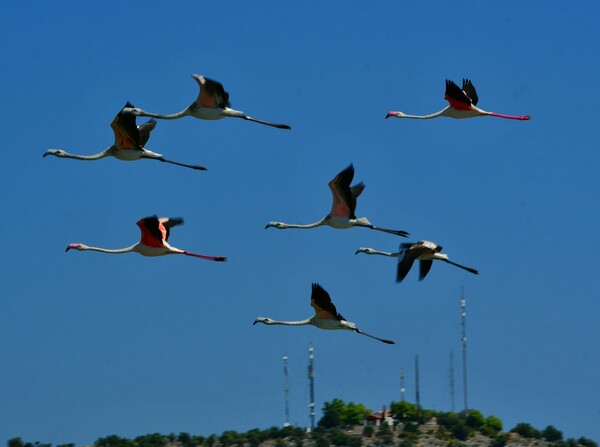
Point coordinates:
[[426, 117], [282, 225], [292, 323], [104, 153], [112, 251], [172, 116], [382, 253]]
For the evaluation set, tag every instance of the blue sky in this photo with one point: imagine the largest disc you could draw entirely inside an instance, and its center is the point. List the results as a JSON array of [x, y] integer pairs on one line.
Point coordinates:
[[95, 344]]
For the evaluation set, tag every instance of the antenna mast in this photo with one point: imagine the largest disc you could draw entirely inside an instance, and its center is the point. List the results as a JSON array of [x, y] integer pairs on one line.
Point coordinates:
[[463, 317], [311, 379], [286, 389], [452, 380], [417, 393], [402, 389]]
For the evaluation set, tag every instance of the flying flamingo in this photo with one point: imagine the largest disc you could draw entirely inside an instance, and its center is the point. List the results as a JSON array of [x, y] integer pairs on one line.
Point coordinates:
[[326, 316], [342, 210], [155, 234], [424, 251], [129, 143], [212, 104], [463, 104]]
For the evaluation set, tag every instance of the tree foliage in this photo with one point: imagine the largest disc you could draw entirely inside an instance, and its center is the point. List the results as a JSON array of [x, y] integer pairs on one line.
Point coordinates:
[[338, 414], [526, 430]]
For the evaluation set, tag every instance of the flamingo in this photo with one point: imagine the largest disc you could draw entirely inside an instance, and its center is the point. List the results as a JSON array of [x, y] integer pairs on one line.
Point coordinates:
[[424, 251], [326, 316], [212, 104], [129, 143], [463, 104], [155, 234], [342, 214]]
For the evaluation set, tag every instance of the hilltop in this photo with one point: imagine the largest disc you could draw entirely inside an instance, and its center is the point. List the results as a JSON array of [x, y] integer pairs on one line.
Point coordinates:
[[354, 425]]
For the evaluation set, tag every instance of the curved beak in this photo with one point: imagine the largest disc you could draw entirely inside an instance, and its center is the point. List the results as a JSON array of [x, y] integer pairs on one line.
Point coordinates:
[[390, 114]]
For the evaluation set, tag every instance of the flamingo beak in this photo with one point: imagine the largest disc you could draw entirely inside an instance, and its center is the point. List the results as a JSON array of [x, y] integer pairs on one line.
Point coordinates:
[[70, 246], [390, 114]]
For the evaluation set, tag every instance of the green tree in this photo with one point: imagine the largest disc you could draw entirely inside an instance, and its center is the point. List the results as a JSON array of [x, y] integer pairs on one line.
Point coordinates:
[[404, 411], [354, 414], [151, 440], [526, 430], [493, 423], [475, 419], [552, 434], [114, 441], [332, 414], [368, 431], [499, 441], [15, 442]]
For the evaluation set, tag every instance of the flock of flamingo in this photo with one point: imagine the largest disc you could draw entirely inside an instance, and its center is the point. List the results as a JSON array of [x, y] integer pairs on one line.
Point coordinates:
[[212, 103]]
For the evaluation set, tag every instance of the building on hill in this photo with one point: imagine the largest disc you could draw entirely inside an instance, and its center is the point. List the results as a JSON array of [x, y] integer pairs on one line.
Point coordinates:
[[378, 417]]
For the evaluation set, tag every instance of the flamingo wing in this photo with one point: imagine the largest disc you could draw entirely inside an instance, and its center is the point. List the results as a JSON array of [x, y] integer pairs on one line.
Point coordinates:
[[153, 232], [212, 94], [405, 261], [456, 97], [470, 91], [344, 200], [145, 130], [127, 135], [168, 223], [424, 267], [321, 303]]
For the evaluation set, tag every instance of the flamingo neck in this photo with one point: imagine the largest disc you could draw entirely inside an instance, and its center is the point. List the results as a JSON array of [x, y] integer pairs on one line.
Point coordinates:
[[172, 116], [425, 117], [379, 252], [283, 226], [132, 248], [63, 154], [271, 322]]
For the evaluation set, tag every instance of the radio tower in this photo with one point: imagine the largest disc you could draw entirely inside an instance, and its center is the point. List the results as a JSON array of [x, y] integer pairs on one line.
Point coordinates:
[[452, 381], [311, 379], [463, 317], [402, 389], [286, 389], [417, 392]]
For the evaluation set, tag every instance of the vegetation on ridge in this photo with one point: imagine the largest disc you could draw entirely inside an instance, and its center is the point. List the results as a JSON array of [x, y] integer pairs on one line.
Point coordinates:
[[343, 425]]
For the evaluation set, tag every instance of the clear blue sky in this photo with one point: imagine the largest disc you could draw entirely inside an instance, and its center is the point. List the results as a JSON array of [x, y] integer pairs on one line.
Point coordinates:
[[94, 344]]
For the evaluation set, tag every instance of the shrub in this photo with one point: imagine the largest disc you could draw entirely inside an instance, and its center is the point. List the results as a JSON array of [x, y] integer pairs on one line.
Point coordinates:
[[368, 431], [526, 430]]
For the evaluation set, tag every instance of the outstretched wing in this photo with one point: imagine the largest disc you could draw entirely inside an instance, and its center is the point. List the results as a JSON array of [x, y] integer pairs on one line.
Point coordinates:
[[145, 130], [344, 199], [321, 303], [212, 94], [456, 97], [405, 261], [127, 135], [168, 223], [424, 267], [152, 234], [155, 230], [470, 91]]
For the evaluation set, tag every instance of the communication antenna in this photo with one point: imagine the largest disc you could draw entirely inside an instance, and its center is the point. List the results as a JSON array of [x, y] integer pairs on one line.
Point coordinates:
[[311, 379], [286, 390], [402, 389], [452, 381], [463, 317], [417, 392]]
